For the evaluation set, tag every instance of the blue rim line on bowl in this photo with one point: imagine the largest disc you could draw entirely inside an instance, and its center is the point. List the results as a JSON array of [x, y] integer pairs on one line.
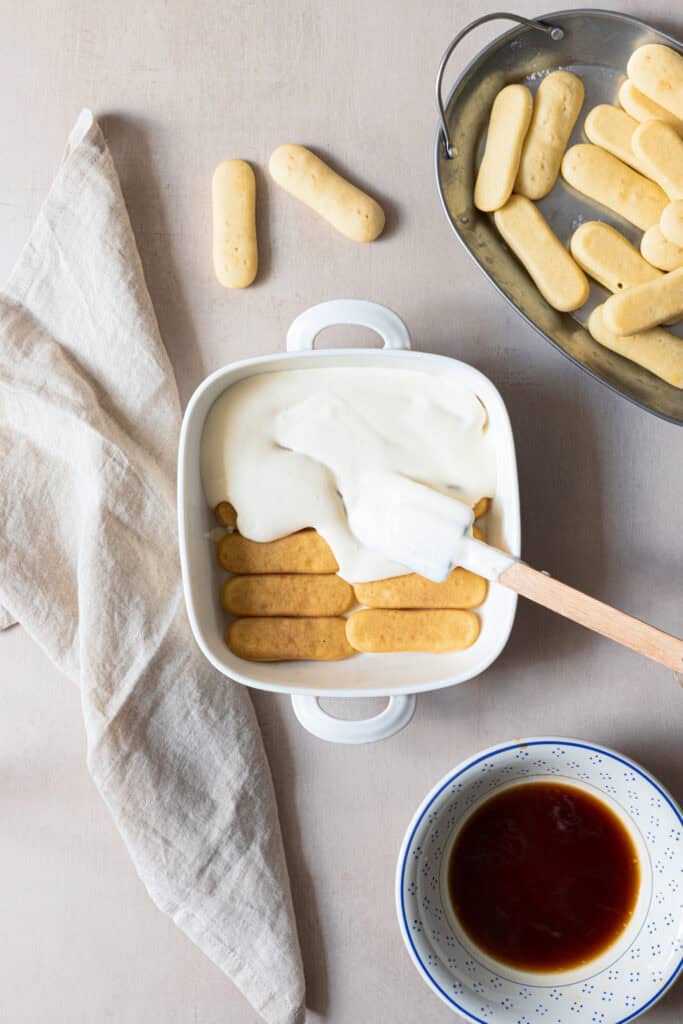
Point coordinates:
[[470, 763]]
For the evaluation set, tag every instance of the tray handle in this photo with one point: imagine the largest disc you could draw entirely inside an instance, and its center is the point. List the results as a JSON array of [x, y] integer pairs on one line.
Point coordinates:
[[554, 31]]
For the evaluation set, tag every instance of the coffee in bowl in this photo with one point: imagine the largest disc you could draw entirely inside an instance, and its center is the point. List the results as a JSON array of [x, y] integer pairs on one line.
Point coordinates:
[[543, 877]]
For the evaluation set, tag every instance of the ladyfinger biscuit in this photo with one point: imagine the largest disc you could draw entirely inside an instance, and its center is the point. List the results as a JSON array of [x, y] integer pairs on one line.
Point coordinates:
[[658, 72], [477, 532], [286, 594], [659, 148], [656, 350], [612, 129], [508, 124], [302, 552], [560, 281], [600, 176], [462, 589], [557, 103], [225, 515], [306, 177], [671, 223], [381, 631], [639, 106], [608, 257], [481, 508], [235, 253], [266, 639], [647, 305], [659, 251]]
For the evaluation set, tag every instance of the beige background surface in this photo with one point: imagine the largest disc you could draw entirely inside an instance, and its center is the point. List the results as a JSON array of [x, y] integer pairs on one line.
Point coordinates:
[[178, 87]]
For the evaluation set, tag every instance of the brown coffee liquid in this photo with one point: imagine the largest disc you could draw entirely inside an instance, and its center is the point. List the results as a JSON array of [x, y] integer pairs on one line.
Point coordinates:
[[543, 877]]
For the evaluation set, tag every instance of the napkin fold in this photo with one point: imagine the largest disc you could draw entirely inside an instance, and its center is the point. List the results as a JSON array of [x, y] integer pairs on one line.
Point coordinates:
[[89, 421]]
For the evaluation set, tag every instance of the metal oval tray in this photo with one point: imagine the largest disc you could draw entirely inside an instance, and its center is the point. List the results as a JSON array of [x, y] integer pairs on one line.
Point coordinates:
[[595, 45]]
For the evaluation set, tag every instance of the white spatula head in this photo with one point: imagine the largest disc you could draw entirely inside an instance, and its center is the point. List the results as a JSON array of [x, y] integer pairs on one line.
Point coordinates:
[[408, 522]]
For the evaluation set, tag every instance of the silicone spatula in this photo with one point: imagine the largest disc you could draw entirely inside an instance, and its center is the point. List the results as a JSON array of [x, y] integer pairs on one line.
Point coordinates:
[[427, 531]]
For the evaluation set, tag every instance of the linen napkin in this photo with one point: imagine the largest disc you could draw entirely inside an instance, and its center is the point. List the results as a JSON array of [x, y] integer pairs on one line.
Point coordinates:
[[89, 421]]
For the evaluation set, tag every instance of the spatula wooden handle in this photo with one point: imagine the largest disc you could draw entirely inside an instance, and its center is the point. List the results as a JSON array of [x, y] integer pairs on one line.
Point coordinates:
[[624, 629]]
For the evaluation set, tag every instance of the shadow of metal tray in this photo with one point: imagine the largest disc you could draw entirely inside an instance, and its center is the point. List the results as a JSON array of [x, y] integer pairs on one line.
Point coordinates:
[[596, 45]]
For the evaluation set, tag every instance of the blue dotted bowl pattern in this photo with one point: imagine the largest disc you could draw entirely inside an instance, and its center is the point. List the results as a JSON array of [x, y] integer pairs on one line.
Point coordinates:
[[621, 991]]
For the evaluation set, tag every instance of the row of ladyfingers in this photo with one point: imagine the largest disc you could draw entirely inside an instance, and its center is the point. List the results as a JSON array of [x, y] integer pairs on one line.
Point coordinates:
[[289, 603]]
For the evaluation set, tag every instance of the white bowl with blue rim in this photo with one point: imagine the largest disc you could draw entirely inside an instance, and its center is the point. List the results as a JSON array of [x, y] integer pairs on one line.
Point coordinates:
[[628, 977]]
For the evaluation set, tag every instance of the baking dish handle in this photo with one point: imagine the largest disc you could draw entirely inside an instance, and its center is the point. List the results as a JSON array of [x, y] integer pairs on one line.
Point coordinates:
[[308, 325], [391, 720], [554, 31]]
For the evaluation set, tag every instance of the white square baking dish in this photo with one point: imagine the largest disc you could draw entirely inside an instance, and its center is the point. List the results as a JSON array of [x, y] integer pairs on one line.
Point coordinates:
[[395, 675]]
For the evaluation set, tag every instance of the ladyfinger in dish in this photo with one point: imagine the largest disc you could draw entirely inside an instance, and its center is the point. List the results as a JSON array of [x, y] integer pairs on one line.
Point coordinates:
[[289, 639], [462, 589], [225, 515], [302, 552], [287, 594], [381, 631]]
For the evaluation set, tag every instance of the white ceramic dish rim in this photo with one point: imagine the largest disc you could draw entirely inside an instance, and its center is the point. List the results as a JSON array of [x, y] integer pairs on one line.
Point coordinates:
[[443, 784], [300, 340]]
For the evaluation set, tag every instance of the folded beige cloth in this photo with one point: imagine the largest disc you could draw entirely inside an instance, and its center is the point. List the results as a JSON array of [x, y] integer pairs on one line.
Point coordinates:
[[89, 420]]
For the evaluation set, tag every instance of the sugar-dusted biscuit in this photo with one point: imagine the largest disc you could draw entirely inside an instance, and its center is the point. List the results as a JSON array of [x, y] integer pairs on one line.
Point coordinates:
[[656, 350], [235, 251], [659, 251], [557, 103], [608, 257], [612, 129], [477, 532], [558, 278], [462, 589], [286, 594], [597, 174], [658, 72], [225, 515], [508, 124], [481, 508], [382, 631], [289, 639], [647, 305], [306, 177], [642, 108], [659, 149], [671, 223], [302, 552]]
